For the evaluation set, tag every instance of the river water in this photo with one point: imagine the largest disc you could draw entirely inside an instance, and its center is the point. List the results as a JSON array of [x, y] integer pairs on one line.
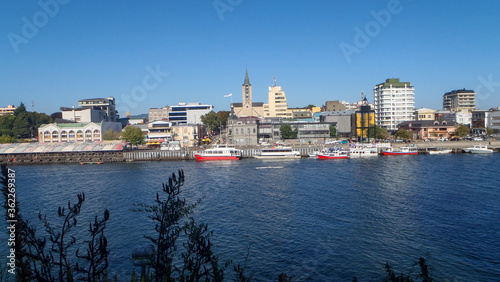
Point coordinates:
[[316, 220]]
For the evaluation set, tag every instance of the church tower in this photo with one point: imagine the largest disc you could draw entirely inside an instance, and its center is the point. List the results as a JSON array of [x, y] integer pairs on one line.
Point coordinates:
[[247, 95]]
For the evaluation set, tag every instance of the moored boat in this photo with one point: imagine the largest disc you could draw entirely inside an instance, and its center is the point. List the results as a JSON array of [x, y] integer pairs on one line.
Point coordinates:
[[478, 149], [221, 152], [400, 151], [363, 151], [278, 153], [333, 154], [438, 151]]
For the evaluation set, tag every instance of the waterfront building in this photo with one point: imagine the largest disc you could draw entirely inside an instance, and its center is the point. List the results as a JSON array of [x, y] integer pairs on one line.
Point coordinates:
[[464, 118], [158, 114], [364, 123], [479, 121], [188, 113], [242, 131], [430, 129], [248, 107], [342, 121], [7, 110], [277, 105], [269, 129], [75, 132], [332, 106], [159, 130], [310, 130], [301, 113], [394, 103], [459, 100], [425, 114], [107, 105], [493, 120], [188, 135]]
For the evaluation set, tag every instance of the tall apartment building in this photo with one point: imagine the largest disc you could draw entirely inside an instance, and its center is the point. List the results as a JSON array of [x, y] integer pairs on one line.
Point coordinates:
[[459, 101], [277, 105], [394, 103]]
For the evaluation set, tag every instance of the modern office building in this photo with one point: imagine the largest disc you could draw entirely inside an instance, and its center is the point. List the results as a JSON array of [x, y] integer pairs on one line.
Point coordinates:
[[364, 123], [394, 103], [277, 105], [459, 100], [188, 112], [342, 120]]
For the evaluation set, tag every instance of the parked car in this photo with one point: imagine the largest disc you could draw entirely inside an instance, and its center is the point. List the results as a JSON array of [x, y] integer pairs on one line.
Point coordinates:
[[329, 142], [477, 139]]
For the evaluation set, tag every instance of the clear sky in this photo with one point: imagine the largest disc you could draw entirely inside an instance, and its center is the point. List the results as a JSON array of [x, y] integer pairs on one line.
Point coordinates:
[[157, 53]]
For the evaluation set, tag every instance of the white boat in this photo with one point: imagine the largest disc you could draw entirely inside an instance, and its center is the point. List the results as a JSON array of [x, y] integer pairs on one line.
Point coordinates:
[[278, 153], [363, 151], [334, 153], [401, 151], [478, 149], [221, 152], [439, 151]]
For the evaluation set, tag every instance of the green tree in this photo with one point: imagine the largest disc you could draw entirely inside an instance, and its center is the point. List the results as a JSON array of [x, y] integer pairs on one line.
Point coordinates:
[[489, 131], [287, 132], [111, 135], [333, 131], [6, 123], [213, 120], [21, 125], [404, 134], [462, 130], [20, 109], [310, 106], [381, 133], [6, 139], [133, 135]]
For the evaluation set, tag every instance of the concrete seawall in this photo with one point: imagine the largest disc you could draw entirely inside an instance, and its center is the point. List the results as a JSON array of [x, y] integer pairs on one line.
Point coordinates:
[[158, 155]]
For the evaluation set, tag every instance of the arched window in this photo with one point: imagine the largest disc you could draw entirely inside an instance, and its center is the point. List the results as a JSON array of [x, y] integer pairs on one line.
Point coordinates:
[[79, 135], [88, 135], [71, 135], [97, 134], [46, 136], [55, 136], [64, 135]]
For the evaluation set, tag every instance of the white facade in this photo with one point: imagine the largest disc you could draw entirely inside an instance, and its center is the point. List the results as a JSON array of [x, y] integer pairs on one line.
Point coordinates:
[[83, 115], [70, 132], [464, 118], [493, 120], [277, 105], [394, 103]]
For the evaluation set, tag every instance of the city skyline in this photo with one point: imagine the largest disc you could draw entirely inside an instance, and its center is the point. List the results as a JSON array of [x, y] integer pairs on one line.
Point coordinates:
[[57, 52]]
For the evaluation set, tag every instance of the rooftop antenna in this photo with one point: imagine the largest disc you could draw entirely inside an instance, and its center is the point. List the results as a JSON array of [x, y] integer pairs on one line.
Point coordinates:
[[362, 95], [274, 81]]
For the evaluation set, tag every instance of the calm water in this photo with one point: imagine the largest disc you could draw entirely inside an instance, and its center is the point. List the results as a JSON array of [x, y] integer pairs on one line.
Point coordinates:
[[315, 220]]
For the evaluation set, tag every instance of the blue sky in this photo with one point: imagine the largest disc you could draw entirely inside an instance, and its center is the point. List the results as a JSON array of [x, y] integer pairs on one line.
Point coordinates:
[[156, 53]]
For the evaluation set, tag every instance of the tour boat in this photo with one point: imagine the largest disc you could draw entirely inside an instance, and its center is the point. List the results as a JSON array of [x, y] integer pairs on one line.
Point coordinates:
[[333, 154], [361, 152], [478, 149], [401, 151], [219, 152], [278, 153]]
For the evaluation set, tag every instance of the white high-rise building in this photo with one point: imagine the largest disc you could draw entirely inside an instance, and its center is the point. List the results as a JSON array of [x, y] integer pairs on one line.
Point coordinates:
[[394, 103]]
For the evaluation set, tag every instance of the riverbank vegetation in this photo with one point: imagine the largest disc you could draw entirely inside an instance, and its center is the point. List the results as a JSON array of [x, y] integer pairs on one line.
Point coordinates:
[[180, 249]]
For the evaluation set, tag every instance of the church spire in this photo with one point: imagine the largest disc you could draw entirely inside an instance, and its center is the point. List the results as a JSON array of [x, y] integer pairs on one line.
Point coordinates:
[[247, 80]]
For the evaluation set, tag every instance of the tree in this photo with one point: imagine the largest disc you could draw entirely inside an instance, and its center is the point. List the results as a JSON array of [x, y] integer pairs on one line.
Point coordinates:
[[111, 135], [133, 135], [381, 133], [310, 106], [333, 131], [403, 134], [462, 130], [214, 120], [287, 132], [489, 131], [20, 109]]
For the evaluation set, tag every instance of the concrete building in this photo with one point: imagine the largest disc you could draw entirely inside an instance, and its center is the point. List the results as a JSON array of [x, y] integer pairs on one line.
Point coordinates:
[[394, 103], [7, 110], [277, 105], [269, 129], [107, 105], [242, 131], [159, 130], [430, 129], [332, 106], [158, 114], [75, 132], [301, 113], [493, 120], [479, 121], [342, 120], [248, 107], [188, 135], [84, 115], [188, 113], [425, 114], [459, 100]]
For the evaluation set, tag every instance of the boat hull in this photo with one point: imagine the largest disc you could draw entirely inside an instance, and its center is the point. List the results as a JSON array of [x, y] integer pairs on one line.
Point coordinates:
[[277, 157], [386, 153], [324, 157], [439, 152], [217, 158], [483, 151]]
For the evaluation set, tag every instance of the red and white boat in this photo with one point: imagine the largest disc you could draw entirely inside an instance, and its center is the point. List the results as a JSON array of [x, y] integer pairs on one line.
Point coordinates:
[[221, 152], [401, 151], [333, 154]]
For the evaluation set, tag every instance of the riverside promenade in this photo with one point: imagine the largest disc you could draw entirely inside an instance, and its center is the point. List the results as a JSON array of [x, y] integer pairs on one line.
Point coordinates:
[[109, 152]]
